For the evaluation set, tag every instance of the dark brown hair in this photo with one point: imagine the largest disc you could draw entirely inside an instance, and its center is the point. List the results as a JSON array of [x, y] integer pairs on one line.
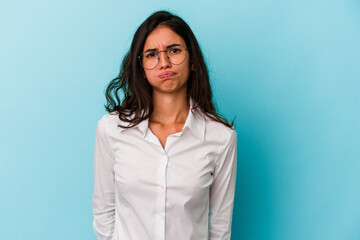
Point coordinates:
[[137, 104]]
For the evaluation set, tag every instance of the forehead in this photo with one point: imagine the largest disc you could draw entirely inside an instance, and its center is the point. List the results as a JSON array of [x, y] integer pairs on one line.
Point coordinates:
[[162, 37]]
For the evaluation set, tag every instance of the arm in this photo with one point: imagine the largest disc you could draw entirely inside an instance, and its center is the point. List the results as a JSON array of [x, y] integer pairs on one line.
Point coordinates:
[[222, 192], [103, 200]]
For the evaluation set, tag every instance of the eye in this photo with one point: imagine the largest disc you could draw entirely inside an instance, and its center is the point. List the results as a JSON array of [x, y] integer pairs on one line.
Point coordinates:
[[150, 55], [174, 50]]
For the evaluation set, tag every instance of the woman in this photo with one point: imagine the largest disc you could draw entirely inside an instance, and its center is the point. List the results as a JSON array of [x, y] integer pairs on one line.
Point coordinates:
[[164, 160]]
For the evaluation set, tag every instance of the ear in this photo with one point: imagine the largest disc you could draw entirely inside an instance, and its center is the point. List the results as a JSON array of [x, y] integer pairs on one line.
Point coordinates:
[[144, 75], [192, 68]]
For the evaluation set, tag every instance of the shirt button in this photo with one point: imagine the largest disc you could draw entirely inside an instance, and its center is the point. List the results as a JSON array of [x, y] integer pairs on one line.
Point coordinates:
[[161, 187], [161, 215]]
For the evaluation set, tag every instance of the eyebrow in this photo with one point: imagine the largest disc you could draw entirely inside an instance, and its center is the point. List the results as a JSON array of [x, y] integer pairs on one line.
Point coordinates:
[[169, 46]]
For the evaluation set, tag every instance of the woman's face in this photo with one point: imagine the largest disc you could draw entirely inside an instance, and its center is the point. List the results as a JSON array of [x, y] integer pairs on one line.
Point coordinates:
[[166, 77]]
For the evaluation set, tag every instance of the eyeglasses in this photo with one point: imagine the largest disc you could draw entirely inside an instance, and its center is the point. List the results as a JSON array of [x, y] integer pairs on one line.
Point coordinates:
[[176, 54]]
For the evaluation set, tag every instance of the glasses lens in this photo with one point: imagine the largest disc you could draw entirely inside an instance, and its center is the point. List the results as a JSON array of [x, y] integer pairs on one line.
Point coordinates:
[[149, 60], [176, 54]]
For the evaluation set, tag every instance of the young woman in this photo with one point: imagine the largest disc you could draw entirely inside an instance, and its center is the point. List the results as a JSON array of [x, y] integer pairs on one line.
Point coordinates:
[[164, 160]]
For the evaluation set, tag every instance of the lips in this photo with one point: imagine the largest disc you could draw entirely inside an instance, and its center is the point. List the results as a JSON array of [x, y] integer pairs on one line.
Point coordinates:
[[166, 74]]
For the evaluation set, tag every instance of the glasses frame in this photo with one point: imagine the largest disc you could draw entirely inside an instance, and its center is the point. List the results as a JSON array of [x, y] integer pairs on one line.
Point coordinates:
[[167, 57]]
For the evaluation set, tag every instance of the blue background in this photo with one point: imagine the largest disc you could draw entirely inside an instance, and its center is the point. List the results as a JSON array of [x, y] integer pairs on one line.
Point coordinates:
[[288, 70]]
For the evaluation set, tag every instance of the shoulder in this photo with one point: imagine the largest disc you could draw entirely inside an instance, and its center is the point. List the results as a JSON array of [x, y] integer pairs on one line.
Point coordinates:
[[109, 117], [217, 131], [107, 122]]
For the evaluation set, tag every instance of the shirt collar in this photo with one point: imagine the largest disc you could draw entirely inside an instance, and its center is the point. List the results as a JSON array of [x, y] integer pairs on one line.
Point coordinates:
[[195, 121]]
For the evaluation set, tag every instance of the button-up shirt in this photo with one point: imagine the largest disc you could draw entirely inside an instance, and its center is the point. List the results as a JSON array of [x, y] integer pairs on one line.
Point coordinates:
[[184, 191]]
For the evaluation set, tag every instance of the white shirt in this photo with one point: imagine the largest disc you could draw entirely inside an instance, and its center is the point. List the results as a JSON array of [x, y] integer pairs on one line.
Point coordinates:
[[184, 191]]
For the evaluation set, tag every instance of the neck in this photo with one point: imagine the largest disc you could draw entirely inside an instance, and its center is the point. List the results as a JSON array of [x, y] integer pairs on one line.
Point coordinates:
[[169, 108]]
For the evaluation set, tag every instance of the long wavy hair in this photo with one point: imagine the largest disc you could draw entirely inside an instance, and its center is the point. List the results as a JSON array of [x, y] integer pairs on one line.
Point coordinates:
[[136, 104]]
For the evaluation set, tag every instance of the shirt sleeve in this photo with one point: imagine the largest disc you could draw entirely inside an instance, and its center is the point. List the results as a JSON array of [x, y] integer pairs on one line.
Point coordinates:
[[103, 200], [222, 192]]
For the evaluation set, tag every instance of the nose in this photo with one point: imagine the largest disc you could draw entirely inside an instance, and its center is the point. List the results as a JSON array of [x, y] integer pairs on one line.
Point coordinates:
[[163, 59]]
